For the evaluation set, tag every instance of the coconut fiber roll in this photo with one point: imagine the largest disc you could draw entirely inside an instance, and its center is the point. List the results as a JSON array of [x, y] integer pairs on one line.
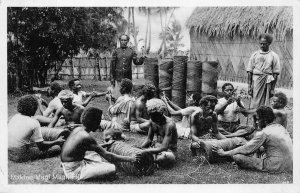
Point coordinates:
[[179, 80], [209, 77], [151, 71], [146, 165], [166, 76], [194, 76]]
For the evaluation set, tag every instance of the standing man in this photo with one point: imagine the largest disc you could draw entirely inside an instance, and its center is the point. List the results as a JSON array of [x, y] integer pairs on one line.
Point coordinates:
[[263, 70], [121, 63]]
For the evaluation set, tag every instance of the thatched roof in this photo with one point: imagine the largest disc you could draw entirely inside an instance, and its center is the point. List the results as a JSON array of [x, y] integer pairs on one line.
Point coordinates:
[[231, 22]]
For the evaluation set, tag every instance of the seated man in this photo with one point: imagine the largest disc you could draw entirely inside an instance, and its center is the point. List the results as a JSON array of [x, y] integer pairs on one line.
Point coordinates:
[[278, 102], [75, 87], [228, 109], [55, 103], [275, 140], [203, 121], [120, 110], [71, 111], [25, 131], [165, 149], [139, 119], [183, 126], [76, 164], [45, 116]]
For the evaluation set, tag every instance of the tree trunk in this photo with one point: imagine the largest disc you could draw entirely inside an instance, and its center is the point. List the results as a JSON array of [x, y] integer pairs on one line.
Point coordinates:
[[149, 45], [134, 36], [129, 14], [146, 37], [163, 32]]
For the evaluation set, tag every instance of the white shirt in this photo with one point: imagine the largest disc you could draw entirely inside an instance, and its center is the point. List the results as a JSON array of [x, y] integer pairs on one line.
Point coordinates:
[[54, 105], [78, 98], [22, 131], [230, 113]]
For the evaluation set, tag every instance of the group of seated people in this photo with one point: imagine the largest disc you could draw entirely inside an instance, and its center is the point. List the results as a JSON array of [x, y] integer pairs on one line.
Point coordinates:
[[212, 125]]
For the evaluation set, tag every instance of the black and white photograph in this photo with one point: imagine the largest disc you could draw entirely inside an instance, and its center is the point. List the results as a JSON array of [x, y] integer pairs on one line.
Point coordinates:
[[171, 94]]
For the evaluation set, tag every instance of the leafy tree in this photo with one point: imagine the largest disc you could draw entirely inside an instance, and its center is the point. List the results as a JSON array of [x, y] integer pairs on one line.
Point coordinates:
[[40, 37]]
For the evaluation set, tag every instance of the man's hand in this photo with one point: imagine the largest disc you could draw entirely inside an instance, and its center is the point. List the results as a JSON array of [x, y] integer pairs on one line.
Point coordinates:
[[230, 100], [60, 141], [272, 93], [113, 83], [250, 91], [218, 150], [137, 158]]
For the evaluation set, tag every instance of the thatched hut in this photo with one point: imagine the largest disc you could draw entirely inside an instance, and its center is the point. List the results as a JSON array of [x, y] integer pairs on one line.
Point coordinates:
[[229, 35]]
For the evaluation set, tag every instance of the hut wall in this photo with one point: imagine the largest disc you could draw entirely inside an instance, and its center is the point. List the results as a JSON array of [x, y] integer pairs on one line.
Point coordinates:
[[233, 53]]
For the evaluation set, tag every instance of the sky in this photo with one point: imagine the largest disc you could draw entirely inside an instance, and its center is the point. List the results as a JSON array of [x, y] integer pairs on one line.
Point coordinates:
[[181, 14]]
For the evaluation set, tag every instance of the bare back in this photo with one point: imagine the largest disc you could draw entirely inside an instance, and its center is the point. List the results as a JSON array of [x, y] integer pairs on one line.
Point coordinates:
[[138, 110], [280, 117], [76, 145]]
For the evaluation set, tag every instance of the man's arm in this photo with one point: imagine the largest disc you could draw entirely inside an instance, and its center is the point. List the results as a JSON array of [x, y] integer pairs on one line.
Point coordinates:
[[219, 109], [250, 83], [246, 149], [273, 84], [194, 130], [113, 67], [149, 138], [55, 118], [45, 145], [111, 157]]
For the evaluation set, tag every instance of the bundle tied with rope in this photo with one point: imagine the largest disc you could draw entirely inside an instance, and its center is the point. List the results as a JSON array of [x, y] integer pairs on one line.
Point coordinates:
[[209, 77], [144, 167], [151, 71], [179, 82], [194, 77], [165, 76]]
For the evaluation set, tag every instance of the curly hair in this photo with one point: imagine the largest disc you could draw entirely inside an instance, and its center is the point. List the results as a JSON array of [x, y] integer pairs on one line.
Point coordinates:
[[126, 86], [71, 83], [207, 98], [27, 105], [266, 113], [156, 105], [227, 84], [282, 98], [91, 116], [196, 97], [55, 87], [148, 90], [268, 37]]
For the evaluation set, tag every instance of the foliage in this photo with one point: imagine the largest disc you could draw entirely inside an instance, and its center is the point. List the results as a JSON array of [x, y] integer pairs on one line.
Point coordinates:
[[38, 37], [173, 35]]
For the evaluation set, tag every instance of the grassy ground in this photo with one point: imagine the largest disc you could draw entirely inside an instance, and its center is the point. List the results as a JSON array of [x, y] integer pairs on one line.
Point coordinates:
[[48, 170]]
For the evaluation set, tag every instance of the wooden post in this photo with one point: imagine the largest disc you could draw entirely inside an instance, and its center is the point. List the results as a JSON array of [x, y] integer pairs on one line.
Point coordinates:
[[99, 69]]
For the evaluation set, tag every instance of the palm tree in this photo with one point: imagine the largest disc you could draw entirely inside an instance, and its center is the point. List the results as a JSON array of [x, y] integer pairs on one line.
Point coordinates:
[[173, 37], [164, 10]]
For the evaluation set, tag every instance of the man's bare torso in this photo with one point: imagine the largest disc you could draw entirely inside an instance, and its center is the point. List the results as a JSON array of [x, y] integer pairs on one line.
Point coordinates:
[[141, 106], [72, 117]]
